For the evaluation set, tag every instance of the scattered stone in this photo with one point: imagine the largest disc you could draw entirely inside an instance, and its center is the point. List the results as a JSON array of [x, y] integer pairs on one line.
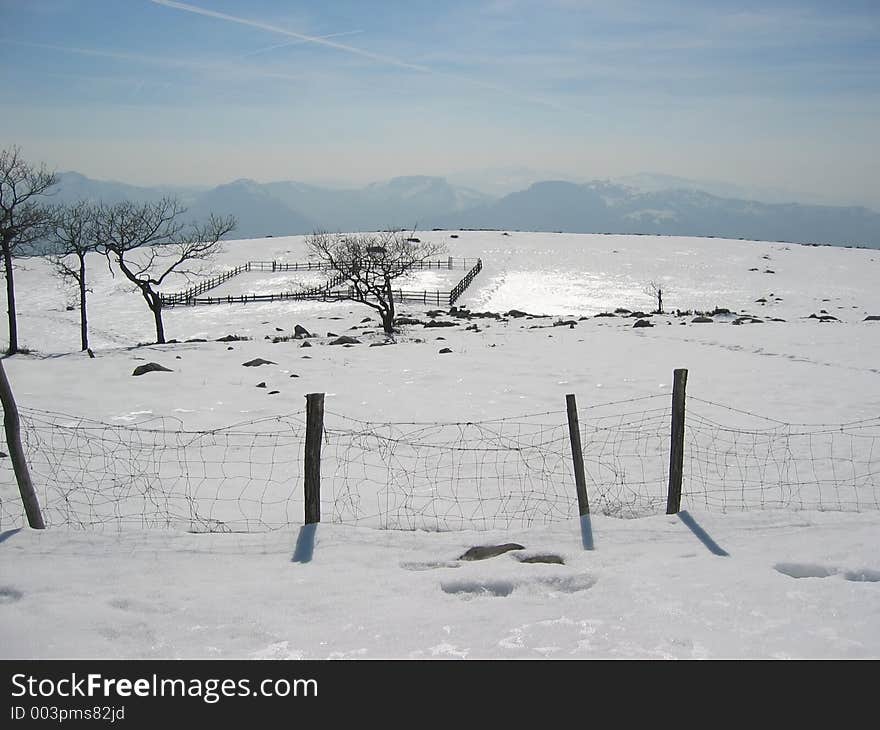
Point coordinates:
[[445, 350], [621, 310], [702, 320], [306, 344], [261, 385], [605, 314], [230, 348], [256, 362], [300, 332], [196, 339], [755, 269], [407, 320], [366, 319], [232, 338], [332, 334], [761, 301], [439, 323], [380, 344], [294, 375], [872, 318], [345, 340], [435, 313], [482, 552], [516, 313], [151, 367], [639, 315], [564, 323], [769, 271], [719, 311], [642, 323], [274, 392]]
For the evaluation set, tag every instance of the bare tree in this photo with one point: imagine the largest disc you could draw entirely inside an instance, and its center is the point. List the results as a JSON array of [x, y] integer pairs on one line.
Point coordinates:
[[74, 232], [23, 219], [655, 289], [149, 241], [370, 263]]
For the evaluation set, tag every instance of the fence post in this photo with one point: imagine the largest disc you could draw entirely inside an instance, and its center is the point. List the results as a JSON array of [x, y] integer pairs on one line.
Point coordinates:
[[577, 455], [314, 433], [12, 425], [676, 450]]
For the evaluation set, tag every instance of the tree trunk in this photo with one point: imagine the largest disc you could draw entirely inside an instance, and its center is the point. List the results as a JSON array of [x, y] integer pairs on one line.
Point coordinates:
[[10, 300], [160, 328], [388, 312], [388, 321], [84, 327], [155, 305]]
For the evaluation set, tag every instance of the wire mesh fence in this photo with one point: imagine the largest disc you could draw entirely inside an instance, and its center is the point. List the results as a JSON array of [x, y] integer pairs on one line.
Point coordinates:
[[90, 474], [736, 460], [435, 475]]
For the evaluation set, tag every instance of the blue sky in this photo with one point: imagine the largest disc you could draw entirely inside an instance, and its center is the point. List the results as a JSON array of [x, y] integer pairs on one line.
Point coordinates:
[[782, 94]]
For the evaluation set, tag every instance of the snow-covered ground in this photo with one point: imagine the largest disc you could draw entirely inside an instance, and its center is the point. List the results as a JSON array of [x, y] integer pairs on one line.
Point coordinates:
[[794, 583]]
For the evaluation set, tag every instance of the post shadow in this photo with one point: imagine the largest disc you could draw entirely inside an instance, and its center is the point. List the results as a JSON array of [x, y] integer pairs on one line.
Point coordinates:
[[586, 532], [702, 535], [305, 544], [4, 536]]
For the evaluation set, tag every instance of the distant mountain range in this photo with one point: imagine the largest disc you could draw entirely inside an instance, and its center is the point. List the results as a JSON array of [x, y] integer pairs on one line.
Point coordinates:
[[288, 208]]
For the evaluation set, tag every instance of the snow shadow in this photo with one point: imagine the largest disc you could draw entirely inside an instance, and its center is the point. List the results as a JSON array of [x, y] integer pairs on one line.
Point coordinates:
[[6, 534], [805, 570], [712, 546], [866, 575], [469, 588], [305, 544], [586, 532]]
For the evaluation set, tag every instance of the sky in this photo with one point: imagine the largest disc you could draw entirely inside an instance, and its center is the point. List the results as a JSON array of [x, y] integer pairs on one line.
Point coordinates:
[[782, 94]]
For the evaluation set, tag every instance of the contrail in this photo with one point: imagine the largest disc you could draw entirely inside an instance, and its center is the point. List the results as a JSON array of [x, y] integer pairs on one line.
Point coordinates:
[[299, 36], [379, 58], [296, 43]]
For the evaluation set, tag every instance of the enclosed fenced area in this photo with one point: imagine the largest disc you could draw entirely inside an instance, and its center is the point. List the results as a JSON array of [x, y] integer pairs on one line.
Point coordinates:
[[307, 466]]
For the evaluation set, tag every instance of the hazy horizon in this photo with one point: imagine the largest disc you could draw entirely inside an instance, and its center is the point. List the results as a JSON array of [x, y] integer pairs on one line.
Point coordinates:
[[779, 95]]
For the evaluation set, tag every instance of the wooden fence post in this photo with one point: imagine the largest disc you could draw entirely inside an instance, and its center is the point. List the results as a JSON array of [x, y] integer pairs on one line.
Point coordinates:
[[577, 455], [676, 450], [12, 425], [314, 434]]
